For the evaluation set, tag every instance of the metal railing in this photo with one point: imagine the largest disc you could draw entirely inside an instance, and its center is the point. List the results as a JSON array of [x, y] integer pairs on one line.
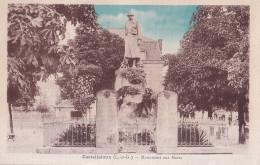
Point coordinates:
[[62, 134], [137, 137], [190, 134], [205, 133]]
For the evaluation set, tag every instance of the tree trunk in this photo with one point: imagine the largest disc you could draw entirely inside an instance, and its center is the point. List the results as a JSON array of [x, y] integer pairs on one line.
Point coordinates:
[[241, 119], [11, 118]]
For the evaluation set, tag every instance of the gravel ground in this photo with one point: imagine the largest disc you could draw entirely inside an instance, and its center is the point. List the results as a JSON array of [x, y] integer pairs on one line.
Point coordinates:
[[28, 137]]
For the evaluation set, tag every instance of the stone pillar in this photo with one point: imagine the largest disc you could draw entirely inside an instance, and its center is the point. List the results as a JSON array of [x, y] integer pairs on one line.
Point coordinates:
[[92, 112], [106, 122], [154, 74], [167, 122]]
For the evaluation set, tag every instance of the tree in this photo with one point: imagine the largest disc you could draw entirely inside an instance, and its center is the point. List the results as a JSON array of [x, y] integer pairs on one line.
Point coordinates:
[[102, 48], [80, 13], [89, 65], [34, 31], [211, 68], [78, 85]]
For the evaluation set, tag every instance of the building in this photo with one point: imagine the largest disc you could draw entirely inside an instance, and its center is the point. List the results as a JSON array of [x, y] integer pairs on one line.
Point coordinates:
[[66, 110]]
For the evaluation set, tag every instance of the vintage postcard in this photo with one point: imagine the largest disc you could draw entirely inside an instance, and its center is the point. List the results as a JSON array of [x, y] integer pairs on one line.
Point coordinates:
[[134, 82]]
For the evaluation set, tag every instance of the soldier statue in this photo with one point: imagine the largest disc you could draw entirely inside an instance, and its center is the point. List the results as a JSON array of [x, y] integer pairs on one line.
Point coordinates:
[[132, 41]]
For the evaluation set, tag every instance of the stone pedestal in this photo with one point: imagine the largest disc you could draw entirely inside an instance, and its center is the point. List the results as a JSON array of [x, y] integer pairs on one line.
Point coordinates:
[[167, 120], [121, 82], [106, 122], [154, 74]]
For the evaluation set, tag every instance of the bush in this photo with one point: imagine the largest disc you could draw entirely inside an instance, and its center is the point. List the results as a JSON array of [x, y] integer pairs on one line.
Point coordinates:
[[133, 75], [125, 90], [78, 134], [42, 108]]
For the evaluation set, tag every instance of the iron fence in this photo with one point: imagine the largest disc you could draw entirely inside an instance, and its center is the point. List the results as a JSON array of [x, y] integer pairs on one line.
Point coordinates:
[[137, 137], [77, 135], [71, 135], [191, 134], [202, 133]]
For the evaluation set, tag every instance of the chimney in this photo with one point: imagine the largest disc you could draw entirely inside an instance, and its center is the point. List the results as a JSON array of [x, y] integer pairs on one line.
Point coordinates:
[[160, 44]]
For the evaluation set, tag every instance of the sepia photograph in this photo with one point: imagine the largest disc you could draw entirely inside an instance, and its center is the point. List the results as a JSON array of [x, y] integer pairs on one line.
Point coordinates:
[[127, 81]]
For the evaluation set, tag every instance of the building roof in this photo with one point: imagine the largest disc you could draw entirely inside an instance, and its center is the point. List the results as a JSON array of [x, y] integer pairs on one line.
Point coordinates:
[[148, 45], [65, 104], [152, 50]]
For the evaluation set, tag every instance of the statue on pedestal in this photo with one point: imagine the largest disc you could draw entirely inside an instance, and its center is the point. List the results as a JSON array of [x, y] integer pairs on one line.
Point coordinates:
[[132, 41]]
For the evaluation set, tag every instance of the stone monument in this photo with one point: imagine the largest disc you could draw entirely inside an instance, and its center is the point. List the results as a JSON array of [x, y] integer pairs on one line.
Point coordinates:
[[135, 120], [132, 41], [106, 122]]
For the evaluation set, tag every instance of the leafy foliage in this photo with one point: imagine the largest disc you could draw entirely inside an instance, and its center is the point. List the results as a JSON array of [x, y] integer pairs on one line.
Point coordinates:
[[212, 66], [89, 65], [42, 108], [33, 34], [133, 75], [146, 104], [80, 13], [166, 57], [125, 90], [187, 110], [99, 47], [34, 31], [78, 134], [79, 86]]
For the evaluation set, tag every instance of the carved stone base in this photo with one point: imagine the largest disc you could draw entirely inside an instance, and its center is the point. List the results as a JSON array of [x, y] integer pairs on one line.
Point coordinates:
[[121, 82]]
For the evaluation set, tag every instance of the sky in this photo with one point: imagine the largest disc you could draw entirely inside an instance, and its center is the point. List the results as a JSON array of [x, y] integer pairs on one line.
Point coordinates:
[[168, 23]]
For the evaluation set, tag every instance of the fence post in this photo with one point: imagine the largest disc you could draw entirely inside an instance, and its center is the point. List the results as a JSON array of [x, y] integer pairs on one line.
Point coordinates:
[[167, 122], [106, 122]]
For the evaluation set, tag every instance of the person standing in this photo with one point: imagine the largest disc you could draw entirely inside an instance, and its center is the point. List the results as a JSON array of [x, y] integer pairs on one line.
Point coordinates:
[[132, 41]]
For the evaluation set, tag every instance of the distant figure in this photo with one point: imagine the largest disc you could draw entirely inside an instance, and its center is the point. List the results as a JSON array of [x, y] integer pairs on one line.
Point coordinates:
[[215, 116], [181, 110], [229, 119], [192, 115], [192, 110], [132, 41], [218, 133], [223, 117]]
